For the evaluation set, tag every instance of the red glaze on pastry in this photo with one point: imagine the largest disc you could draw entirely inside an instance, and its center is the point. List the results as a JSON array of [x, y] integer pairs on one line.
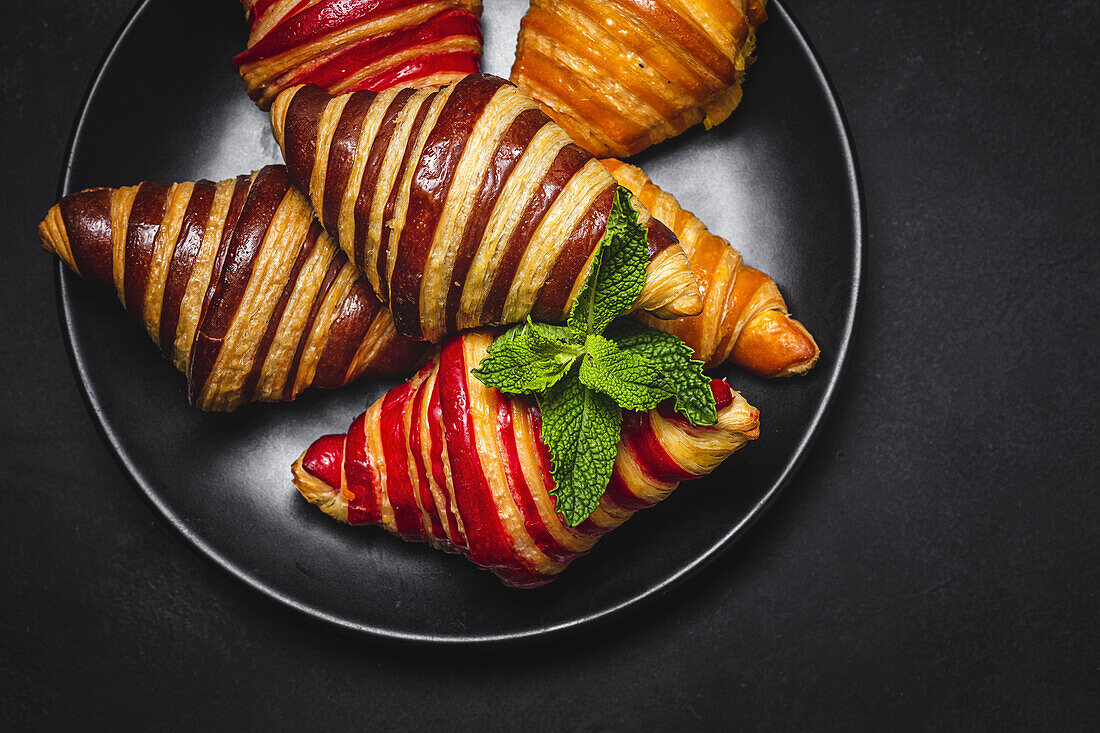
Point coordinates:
[[348, 45], [445, 459]]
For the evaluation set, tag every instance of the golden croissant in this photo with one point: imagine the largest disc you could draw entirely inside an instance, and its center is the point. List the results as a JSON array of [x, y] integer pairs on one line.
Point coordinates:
[[345, 45], [236, 282], [621, 75], [464, 205], [446, 460], [744, 319]]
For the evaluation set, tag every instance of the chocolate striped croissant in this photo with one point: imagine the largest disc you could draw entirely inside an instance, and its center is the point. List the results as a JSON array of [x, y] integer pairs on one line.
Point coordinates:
[[744, 319], [621, 75], [446, 460], [235, 281], [345, 45], [464, 205]]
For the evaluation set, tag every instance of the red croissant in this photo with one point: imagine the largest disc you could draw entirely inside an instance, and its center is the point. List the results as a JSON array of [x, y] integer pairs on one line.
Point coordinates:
[[347, 45], [446, 460], [236, 282]]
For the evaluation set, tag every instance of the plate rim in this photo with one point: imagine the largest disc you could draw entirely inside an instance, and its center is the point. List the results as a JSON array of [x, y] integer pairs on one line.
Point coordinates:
[[63, 281]]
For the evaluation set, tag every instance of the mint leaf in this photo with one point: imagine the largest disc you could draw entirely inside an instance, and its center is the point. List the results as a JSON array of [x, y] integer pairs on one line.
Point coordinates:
[[624, 376], [672, 357], [528, 358], [541, 331], [618, 271], [584, 380], [580, 426]]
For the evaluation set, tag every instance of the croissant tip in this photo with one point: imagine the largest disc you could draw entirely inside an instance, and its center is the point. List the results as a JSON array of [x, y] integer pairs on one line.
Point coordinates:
[[44, 235], [316, 476], [755, 432], [685, 304], [798, 368], [323, 458], [748, 420], [788, 348]]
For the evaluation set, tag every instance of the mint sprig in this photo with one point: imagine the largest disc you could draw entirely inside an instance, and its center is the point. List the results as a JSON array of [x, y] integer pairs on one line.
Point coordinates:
[[587, 372]]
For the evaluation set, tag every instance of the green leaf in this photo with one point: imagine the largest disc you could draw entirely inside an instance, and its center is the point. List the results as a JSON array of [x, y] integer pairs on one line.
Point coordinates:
[[542, 332], [618, 271], [624, 376], [528, 358], [672, 357], [581, 427]]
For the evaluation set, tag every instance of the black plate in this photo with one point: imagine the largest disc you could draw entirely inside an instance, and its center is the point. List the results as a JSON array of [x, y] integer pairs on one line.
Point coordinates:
[[779, 179]]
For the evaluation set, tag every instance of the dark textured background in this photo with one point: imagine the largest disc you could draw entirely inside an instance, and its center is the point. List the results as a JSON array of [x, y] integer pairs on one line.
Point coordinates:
[[935, 563]]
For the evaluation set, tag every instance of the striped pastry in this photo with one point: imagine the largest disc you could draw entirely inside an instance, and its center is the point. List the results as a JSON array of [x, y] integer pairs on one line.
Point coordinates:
[[235, 281], [345, 45], [621, 75], [464, 205], [444, 459], [744, 319]]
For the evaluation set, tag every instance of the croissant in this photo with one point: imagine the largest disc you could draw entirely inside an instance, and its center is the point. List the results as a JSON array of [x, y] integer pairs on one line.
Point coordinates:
[[345, 45], [463, 205], [236, 282], [744, 319], [621, 75], [446, 460]]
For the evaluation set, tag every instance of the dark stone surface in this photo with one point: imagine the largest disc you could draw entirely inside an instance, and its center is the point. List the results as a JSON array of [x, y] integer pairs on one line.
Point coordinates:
[[934, 564]]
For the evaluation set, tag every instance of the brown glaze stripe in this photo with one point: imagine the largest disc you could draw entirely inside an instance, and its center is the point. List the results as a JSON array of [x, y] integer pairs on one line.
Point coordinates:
[[264, 347], [303, 118], [567, 164], [683, 33], [503, 161], [552, 299], [431, 182], [346, 334], [345, 141], [411, 330], [369, 182], [228, 288], [87, 218], [146, 217], [334, 268], [658, 237], [184, 254], [242, 186]]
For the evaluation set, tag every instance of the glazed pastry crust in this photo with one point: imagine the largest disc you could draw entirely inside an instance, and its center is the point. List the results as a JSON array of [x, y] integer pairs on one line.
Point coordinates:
[[347, 45], [446, 460], [745, 318], [236, 281], [621, 75], [464, 205]]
